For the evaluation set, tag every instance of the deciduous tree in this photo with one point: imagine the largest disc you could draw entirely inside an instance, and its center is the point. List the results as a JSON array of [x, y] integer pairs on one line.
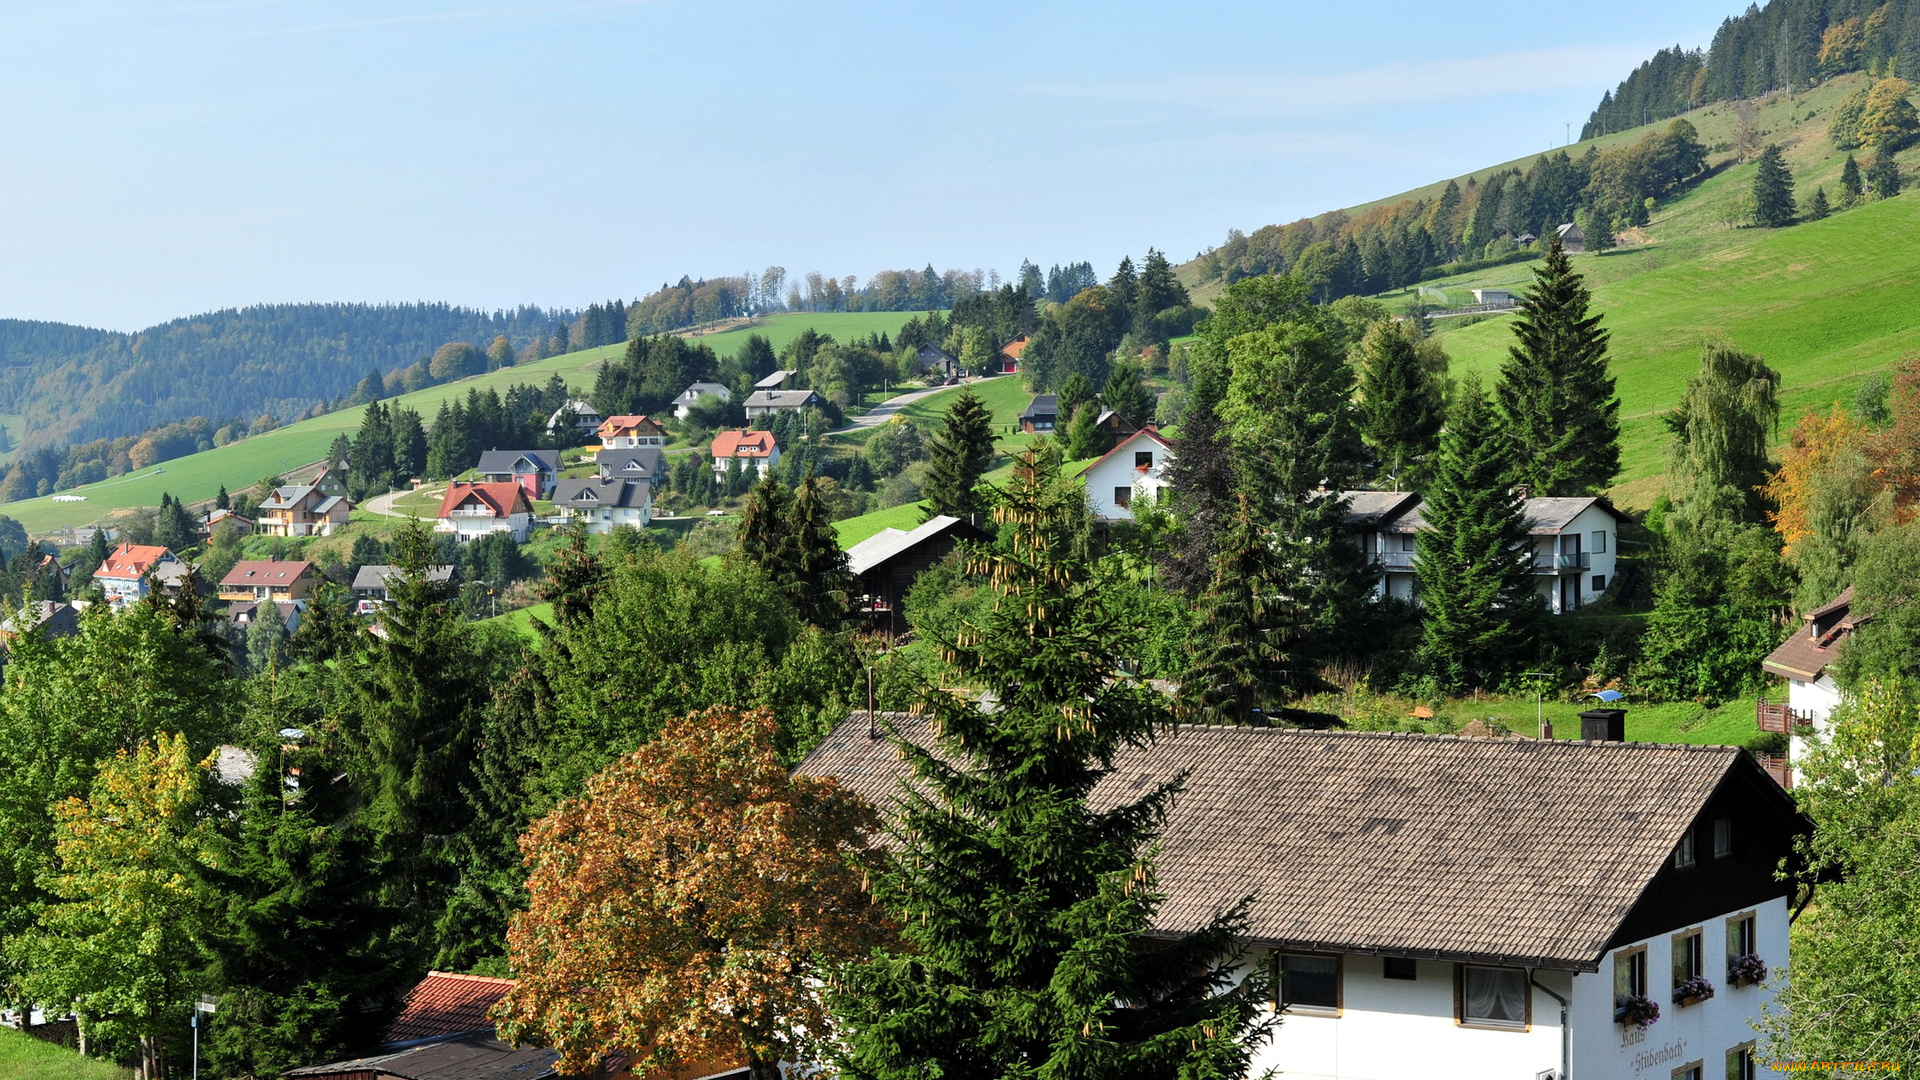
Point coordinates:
[[687, 903]]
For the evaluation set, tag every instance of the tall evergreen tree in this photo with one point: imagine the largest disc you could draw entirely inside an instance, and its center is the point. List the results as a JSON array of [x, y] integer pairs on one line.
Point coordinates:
[[1400, 407], [1076, 391], [958, 456], [1851, 185], [1128, 396], [1023, 908], [1201, 480], [1556, 399], [1157, 291], [1248, 649], [1085, 437], [1125, 287], [764, 521], [372, 456], [814, 574], [1475, 566], [409, 443], [1773, 204], [1884, 175], [223, 500], [1818, 207]]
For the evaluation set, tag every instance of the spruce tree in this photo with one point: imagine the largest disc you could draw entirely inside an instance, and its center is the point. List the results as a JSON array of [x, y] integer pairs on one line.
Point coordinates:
[[1201, 480], [1400, 409], [1076, 391], [764, 522], [1773, 190], [1249, 648], [958, 456], [223, 501], [1127, 396], [814, 574], [1818, 207], [1851, 185], [1556, 399], [1884, 175], [1024, 910], [1085, 438], [1475, 565]]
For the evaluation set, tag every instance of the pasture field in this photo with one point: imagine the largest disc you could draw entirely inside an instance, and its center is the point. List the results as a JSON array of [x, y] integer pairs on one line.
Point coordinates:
[[23, 1057]]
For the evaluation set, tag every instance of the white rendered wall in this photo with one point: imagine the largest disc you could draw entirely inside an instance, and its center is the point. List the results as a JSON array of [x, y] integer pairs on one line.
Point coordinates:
[[1604, 1050], [1815, 700], [1117, 470], [1391, 1029]]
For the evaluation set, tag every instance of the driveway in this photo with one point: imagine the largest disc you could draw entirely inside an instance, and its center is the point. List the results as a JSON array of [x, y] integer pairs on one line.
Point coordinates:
[[383, 504], [887, 409]]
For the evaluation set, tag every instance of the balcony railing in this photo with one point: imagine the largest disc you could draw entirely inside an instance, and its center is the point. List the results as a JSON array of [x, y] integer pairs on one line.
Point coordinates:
[[1576, 561], [1778, 768], [1396, 560], [1777, 717]]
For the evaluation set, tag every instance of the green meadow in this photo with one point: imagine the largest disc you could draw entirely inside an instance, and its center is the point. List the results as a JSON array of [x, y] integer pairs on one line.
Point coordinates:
[[22, 1057]]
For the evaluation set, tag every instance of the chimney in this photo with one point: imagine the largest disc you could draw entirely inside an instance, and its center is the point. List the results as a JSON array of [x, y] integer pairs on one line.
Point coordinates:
[[1604, 725]]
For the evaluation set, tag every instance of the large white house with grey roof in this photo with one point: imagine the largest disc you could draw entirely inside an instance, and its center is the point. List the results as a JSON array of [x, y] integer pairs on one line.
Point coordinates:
[[1437, 907], [1575, 543]]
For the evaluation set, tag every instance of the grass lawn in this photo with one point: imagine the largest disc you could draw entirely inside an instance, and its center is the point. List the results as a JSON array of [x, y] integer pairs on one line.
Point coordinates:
[[23, 1057], [522, 619]]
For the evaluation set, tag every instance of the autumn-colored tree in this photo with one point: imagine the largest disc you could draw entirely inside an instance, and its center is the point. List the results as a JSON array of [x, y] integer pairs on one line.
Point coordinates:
[[1816, 442], [684, 906], [1822, 494], [127, 924]]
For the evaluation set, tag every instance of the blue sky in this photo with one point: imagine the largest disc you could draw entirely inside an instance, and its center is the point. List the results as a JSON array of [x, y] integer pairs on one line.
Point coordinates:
[[166, 157]]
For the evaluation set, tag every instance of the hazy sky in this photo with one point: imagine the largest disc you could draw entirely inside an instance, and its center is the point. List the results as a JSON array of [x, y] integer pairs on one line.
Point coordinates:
[[164, 158]]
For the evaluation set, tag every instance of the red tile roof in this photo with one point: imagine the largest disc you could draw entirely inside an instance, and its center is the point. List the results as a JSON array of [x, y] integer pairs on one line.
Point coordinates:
[[729, 444], [444, 1003], [504, 499], [250, 572], [130, 562], [627, 425]]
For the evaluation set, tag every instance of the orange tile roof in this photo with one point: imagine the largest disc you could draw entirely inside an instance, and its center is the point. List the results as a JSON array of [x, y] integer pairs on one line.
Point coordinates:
[[729, 444], [445, 1003], [625, 425], [504, 498], [130, 562]]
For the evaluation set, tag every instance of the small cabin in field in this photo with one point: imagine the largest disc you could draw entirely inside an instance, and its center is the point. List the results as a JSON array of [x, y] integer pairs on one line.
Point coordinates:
[[1572, 239]]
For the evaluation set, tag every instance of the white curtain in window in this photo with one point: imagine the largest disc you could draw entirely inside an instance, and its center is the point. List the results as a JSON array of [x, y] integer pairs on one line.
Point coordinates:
[[1496, 994]]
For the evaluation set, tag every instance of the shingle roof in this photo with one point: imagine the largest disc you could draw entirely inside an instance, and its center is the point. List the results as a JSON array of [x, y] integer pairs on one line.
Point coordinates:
[[130, 562], [754, 444], [692, 393], [1520, 851], [475, 1057], [592, 491], [1042, 405], [1376, 507], [251, 572], [775, 380], [508, 461], [631, 463], [1545, 515], [287, 495], [445, 1003], [1807, 651], [781, 399], [502, 499], [375, 575], [628, 424]]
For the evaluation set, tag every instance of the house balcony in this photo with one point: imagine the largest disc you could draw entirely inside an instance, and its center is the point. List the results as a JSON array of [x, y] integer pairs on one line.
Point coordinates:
[[1395, 560], [1777, 717], [1777, 767], [1560, 564]]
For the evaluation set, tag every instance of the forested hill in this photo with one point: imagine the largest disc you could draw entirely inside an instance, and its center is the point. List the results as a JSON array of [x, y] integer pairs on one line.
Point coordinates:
[[1787, 45], [70, 383]]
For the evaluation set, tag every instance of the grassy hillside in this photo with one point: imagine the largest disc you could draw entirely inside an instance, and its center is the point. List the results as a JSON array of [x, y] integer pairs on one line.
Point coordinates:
[[241, 464], [22, 1057]]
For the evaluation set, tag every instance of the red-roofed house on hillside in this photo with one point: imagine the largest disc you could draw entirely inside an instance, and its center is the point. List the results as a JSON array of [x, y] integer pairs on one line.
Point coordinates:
[[757, 448], [625, 432], [268, 579], [470, 511], [1812, 695], [123, 575]]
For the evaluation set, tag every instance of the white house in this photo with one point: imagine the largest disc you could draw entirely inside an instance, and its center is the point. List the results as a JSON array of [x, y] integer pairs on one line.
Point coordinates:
[[602, 505], [1575, 542], [470, 511], [578, 415], [1812, 695], [1136, 467], [124, 573], [692, 394], [1437, 907]]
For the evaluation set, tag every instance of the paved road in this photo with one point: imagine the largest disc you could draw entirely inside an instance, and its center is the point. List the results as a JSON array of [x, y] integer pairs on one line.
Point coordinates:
[[887, 409], [383, 504]]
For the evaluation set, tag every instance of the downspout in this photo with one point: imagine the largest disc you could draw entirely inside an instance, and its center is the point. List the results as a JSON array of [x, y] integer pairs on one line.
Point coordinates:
[[1566, 1033]]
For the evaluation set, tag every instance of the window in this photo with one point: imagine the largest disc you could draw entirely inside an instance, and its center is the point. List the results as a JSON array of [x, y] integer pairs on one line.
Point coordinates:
[[1683, 851], [1740, 937], [1310, 984], [1407, 541], [1399, 967], [1694, 1071], [1630, 973], [1599, 540], [1493, 997], [1740, 1063], [1123, 497], [1722, 837], [1143, 459], [1599, 583], [1686, 957]]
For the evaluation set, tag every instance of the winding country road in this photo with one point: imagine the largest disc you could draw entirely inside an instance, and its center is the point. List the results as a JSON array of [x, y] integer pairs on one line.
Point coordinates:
[[889, 408], [383, 504]]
